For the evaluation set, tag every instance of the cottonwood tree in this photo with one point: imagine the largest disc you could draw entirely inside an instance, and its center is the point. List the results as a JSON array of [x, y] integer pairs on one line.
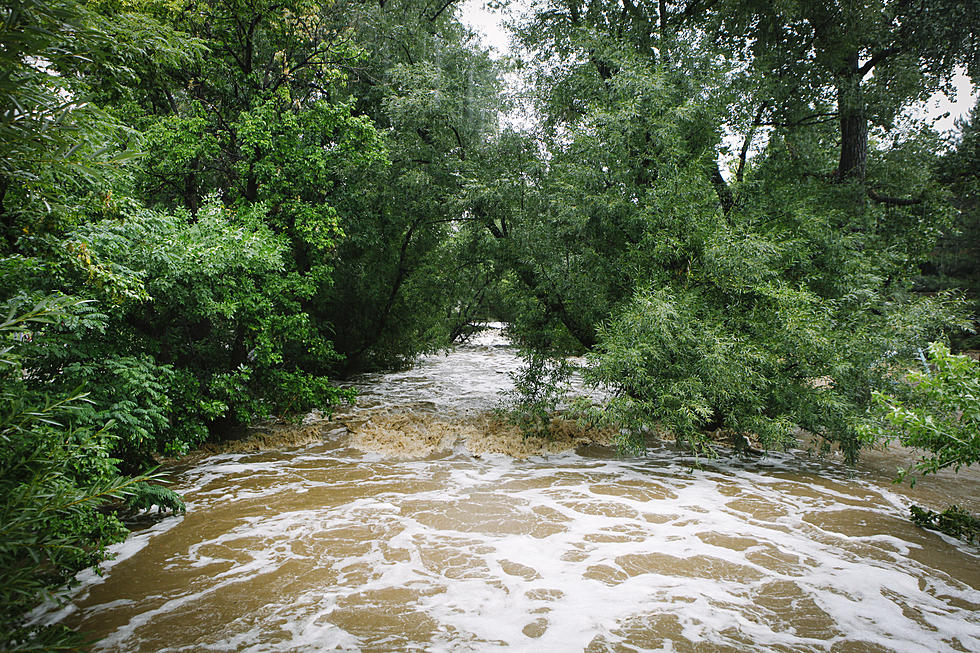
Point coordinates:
[[855, 64], [399, 280]]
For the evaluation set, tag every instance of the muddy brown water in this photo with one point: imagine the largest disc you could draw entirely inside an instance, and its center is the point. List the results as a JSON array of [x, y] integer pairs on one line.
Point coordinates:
[[327, 547]]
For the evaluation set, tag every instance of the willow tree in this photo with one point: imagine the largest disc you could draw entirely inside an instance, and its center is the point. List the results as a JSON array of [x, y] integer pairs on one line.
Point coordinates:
[[57, 141], [769, 302], [404, 282]]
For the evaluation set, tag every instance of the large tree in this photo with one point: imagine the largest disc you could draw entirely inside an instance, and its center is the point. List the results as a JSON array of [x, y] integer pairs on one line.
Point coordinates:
[[292, 110], [858, 64], [763, 304], [435, 93]]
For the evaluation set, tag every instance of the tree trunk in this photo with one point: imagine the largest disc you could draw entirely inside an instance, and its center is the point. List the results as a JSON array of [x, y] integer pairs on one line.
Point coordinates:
[[853, 122], [725, 196], [251, 179]]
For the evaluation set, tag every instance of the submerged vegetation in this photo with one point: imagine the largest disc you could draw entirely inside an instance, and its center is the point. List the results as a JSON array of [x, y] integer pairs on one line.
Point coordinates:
[[953, 521], [211, 211]]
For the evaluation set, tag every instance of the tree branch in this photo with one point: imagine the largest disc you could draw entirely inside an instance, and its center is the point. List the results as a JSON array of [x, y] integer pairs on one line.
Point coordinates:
[[812, 119], [459, 141], [438, 13], [724, 193], [893, 201], [875, 60], [747, 143]]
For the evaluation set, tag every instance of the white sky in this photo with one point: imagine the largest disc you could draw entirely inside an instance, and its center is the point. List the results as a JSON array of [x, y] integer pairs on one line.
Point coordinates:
[[957, 106], [489, 24]]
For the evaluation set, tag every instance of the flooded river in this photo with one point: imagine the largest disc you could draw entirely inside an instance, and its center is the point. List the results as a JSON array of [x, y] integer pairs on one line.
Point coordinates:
[[327, 547]]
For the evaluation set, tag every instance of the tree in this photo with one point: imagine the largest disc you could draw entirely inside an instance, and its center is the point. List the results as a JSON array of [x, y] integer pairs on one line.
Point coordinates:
[[436, 95], [857, 64], [55, 143], [351, 122], [198, 328], [757, 308], [955, 263]]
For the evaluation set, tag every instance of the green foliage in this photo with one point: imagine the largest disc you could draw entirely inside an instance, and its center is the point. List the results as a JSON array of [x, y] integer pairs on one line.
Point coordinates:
[[146, 495], [676, 368], [54, 479], [955, 263], [49, 137], [953, 521], [406, 281], [222, 321], [847, 65], [198, 327], [540, 387], [937, 411], [774, 301], [56, 143], [364, 211]]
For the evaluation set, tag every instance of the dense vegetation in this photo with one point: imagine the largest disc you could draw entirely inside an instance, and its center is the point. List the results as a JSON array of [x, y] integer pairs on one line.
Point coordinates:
[[211, 210]]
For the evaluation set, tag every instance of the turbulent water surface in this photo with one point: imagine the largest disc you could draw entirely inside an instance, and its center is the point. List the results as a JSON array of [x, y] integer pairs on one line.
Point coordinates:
[[326, 547]]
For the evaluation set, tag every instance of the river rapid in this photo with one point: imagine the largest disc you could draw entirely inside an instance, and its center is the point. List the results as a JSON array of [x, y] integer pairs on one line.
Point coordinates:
[[327, 547]]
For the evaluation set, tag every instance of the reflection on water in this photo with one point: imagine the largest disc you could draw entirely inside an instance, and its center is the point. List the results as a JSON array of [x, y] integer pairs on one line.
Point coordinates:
[[326, 547]]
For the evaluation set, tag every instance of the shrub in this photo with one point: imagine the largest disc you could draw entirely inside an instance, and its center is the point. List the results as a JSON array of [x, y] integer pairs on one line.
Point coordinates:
[[937, 411], [540, 386], [55, 478]]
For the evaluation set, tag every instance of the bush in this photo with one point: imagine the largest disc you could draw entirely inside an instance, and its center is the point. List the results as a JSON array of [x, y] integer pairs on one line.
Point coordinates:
[[937, 411], [765, 362], [55, 478], [953, 521], [540, 386], [196, 327]]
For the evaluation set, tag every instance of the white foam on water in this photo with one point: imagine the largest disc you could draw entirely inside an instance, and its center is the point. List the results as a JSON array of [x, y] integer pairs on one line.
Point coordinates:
[[466, 379], [571, 550], [325, 548]]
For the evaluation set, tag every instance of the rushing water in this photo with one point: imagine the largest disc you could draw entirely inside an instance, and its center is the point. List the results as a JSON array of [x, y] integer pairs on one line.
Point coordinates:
[[324, 547]]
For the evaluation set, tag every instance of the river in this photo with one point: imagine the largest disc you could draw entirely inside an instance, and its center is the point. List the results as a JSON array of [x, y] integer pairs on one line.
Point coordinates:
[[324, 546]]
